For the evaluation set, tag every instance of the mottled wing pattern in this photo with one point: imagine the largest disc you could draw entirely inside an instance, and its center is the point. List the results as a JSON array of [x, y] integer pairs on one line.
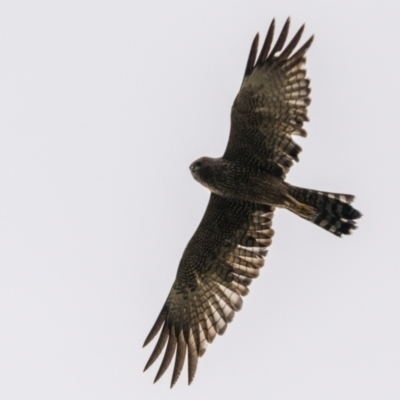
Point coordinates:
[[217, 266], [271, 105]]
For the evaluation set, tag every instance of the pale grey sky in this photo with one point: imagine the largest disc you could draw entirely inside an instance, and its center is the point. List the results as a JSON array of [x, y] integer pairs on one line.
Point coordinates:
[[104, 106]]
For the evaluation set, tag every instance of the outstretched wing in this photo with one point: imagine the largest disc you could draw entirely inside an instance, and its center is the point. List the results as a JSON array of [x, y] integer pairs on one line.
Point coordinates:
[[271, 105], [217, 266]]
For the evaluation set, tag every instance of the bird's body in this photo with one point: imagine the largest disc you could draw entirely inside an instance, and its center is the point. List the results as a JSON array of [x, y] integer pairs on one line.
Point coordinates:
[[241, 182], [263, 184], [247, 183]]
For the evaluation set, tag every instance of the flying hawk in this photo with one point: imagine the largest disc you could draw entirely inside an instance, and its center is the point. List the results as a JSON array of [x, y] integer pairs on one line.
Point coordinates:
[[246, 183]]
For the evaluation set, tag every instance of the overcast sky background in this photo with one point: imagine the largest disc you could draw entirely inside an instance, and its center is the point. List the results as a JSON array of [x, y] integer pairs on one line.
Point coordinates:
[[104, 105]]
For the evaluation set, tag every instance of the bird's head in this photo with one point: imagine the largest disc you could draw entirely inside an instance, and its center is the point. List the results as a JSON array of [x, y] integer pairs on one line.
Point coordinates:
[[203, 170]]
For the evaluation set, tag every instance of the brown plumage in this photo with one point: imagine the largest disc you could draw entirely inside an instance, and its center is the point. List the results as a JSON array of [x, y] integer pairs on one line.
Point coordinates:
[[247, 183]]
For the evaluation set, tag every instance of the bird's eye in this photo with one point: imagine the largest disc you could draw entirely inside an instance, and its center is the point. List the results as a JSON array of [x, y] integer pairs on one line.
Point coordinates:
[[195, 166]]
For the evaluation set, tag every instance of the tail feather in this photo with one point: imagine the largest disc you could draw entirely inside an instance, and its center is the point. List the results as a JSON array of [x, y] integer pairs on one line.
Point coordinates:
[[331, 211]]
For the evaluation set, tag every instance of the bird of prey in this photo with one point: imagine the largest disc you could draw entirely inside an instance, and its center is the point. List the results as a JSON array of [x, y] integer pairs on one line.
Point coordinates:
[[247, 183]]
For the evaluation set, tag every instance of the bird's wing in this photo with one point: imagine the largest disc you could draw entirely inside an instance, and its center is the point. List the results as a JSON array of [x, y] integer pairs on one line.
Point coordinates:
[[217, 266], [271, 105]]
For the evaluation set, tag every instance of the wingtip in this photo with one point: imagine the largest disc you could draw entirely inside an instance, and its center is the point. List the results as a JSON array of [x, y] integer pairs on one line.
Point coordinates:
[[147, 366], [252, 56], [172, 384], [309, 42], [175, 377], [191, 379], [149, 338], [160, 372], [156, 327], [286, 26]]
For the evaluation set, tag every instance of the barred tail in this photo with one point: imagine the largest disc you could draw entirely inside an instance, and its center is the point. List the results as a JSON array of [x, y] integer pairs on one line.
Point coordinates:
[[331, 211]]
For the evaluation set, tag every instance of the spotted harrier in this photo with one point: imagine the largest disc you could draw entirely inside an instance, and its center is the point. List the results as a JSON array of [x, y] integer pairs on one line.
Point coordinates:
[[247, 183]]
